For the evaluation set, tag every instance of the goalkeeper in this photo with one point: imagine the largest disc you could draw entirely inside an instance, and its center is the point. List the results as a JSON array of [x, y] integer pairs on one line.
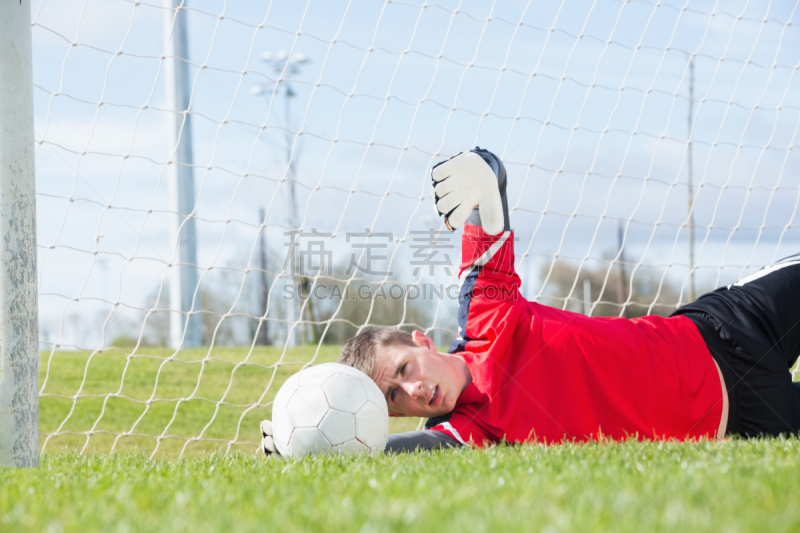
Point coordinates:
[[522, 372]]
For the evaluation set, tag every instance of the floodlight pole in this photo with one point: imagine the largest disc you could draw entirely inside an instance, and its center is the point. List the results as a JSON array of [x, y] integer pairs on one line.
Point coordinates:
[[285, 65], [293, 308], [183, 283], [19, 317]]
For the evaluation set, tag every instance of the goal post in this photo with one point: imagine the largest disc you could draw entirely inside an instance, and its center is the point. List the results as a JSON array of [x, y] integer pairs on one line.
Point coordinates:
[[19, 320]]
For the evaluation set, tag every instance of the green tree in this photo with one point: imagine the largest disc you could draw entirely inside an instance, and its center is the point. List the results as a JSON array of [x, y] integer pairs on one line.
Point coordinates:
[[647, 291]]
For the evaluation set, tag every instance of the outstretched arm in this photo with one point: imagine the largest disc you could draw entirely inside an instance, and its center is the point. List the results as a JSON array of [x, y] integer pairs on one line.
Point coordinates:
[[471, 192]]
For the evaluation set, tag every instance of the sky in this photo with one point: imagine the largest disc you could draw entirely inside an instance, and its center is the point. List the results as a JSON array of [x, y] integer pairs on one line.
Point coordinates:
[[587, 103]]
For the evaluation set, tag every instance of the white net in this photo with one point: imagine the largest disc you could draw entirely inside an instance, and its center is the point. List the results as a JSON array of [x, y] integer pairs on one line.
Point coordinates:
[[651, 151]]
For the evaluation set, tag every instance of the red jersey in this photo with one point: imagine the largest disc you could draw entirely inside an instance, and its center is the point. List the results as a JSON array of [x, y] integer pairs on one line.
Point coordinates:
[[547, 375]]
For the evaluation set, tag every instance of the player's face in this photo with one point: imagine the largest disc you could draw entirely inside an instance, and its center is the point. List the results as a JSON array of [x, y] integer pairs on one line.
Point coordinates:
[[419, 381]]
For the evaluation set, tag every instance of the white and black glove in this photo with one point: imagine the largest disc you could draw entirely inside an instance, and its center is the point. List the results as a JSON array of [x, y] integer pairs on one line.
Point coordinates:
[[470, 180], [412, 441], [267, 442]]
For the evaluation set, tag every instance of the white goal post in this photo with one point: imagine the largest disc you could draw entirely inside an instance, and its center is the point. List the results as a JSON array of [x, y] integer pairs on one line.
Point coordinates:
[[19, 319], [227, 190]]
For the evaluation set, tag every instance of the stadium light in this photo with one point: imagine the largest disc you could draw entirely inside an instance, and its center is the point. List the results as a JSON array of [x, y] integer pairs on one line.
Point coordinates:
[[286, 65]]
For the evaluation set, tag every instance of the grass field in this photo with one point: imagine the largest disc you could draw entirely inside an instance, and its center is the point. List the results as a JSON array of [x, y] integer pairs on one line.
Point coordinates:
[[708, 486], [184, 398], [722, 486]]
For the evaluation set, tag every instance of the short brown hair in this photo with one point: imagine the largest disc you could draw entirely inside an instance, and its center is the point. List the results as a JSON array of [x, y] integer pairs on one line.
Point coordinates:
[[361, 351]]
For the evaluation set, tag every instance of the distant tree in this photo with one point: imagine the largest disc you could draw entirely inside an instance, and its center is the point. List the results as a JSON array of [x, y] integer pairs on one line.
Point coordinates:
[[647, 291], [340, 308], [218, 296], [371, 302]]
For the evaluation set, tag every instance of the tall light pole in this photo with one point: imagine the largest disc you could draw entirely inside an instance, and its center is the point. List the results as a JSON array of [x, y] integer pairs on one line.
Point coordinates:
[[286, 65], [183, 284]]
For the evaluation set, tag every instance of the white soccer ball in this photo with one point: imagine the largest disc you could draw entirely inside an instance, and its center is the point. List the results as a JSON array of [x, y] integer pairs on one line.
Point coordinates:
[[330, 408]]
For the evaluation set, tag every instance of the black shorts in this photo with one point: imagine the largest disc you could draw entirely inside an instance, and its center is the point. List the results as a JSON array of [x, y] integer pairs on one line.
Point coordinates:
[[752, 329]]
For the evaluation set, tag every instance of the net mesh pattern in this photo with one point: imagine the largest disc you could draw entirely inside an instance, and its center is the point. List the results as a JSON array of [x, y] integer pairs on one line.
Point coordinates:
[[651, 149]]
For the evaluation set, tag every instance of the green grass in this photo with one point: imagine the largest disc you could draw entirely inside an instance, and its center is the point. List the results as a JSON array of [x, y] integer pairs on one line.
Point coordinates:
[[719, 486], [180, 393], [708, 486]]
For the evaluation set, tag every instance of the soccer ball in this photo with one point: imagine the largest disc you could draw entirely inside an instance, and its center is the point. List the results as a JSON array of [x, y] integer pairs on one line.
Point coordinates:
[[330, 408]]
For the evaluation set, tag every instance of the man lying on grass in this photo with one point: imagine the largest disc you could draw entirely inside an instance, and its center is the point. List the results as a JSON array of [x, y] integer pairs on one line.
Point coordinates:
[[522, 372]]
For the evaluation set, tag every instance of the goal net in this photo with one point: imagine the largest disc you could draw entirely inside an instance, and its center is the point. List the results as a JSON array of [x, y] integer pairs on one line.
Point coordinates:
[[228, 190]]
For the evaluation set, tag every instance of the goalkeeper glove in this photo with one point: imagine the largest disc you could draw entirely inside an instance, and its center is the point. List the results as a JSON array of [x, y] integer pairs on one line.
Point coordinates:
[[465, 182], [267, 442]]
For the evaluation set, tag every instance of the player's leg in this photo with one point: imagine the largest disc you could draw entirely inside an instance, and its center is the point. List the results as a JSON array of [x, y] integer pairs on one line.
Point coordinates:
[[760, 311], [752, 328], [771, 298], [796, 399]]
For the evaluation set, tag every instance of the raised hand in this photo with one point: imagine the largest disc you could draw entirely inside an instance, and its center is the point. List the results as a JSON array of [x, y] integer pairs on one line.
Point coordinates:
[[463, 183]]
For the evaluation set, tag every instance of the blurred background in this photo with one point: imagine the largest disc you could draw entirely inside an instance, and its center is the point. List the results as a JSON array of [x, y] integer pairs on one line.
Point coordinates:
[[613, 119]]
